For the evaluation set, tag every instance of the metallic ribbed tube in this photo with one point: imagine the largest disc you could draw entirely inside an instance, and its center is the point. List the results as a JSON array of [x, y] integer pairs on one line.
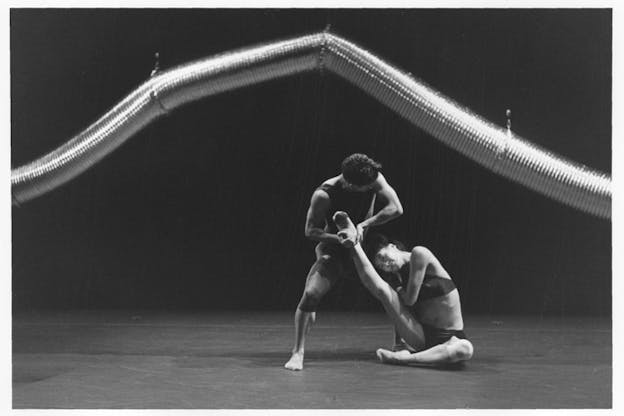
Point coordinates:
[[154, 98], [495, 148], [487, 144]]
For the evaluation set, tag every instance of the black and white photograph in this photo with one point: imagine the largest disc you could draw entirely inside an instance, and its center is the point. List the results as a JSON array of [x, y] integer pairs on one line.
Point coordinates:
[[311, 208]]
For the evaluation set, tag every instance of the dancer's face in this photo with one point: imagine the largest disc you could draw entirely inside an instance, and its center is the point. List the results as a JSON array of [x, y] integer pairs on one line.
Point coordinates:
[[389, 259]]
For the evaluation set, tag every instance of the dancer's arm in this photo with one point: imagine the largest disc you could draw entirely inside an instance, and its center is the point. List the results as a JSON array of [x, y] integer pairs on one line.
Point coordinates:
[[419, 260], [390, 211], [315, 219]]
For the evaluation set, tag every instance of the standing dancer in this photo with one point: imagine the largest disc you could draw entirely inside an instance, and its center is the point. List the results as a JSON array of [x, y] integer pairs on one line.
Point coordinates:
[[425, 308], [353, 191]]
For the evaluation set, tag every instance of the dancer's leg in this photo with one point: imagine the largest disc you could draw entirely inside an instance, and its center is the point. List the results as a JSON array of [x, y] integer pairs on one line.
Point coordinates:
[[319, 281], [399, 343], [452, 351], [408, 328], [405, 323]]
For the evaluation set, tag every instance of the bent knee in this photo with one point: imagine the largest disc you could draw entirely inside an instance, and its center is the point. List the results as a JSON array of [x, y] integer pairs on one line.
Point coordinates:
[[324, 258], [313, 294], [328, 261], [460, 350], [327, 265], [310, 300]]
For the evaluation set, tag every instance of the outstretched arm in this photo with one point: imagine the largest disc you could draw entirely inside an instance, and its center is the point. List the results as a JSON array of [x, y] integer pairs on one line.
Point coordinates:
[[315, 219]]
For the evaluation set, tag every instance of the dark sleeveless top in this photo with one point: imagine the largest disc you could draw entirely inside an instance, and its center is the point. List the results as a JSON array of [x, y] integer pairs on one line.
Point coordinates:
[[432, 286], [356, 204]]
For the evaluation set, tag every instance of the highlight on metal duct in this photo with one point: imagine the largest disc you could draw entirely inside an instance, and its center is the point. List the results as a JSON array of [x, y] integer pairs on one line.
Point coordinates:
[[492, 146]]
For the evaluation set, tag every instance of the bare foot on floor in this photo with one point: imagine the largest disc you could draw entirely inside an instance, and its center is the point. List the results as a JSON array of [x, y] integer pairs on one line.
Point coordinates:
[[296, 362], [389, 357]]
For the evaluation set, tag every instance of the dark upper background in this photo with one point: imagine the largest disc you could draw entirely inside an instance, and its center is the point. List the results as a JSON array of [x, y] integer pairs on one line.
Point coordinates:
[[205, 208]]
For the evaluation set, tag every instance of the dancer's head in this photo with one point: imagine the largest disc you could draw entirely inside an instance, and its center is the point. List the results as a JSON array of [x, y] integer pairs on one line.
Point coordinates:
[[360, 172], [387, 255]]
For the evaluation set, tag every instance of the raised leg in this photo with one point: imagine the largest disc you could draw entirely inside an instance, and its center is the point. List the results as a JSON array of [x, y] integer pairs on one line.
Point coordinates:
[[406, 325]]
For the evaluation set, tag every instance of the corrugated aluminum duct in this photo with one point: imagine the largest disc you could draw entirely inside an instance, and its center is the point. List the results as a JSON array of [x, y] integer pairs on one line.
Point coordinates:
[[494, 147]]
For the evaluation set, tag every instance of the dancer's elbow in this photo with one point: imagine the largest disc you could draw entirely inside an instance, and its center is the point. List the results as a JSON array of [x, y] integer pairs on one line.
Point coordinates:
[[398, 211]]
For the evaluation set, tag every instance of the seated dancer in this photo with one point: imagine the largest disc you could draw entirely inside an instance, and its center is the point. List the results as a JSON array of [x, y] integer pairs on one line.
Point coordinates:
[[354, 191], [424, 308]]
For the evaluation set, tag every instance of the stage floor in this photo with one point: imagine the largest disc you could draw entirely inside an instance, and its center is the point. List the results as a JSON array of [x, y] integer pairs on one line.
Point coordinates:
[[222, 360]]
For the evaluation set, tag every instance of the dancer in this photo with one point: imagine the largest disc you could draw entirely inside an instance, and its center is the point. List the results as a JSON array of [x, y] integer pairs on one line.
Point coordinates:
[[425, 307], [354, 191]]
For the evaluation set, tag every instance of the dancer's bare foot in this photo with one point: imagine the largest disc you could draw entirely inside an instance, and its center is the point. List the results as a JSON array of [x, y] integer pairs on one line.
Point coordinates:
[[389, 357], [296, 362], [347, 232]]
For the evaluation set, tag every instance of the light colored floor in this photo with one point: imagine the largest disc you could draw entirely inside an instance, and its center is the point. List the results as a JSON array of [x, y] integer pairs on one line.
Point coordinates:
[[131, 359]]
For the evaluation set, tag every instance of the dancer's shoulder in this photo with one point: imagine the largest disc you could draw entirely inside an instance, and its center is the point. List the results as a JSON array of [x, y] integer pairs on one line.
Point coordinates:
[[421, 253], [329, 184]]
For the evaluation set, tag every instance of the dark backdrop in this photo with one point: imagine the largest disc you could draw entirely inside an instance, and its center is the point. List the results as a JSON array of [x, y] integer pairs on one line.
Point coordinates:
[[205, 208]]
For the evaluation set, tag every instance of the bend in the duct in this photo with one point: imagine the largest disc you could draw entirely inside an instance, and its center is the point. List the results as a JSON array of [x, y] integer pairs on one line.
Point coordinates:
[[487, 144]]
